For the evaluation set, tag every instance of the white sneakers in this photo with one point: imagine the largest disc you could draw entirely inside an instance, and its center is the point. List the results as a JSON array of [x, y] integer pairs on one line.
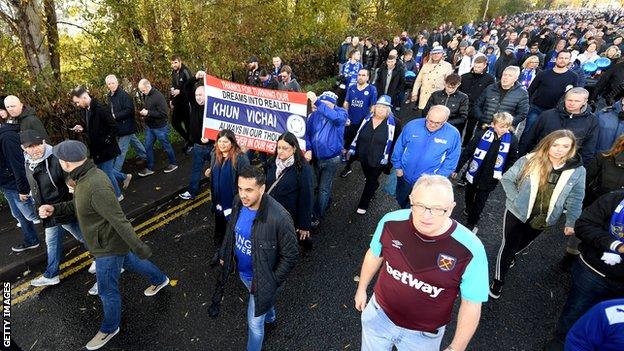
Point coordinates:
[[185, 196], [154, 289], [43, 281], [92, 267], [361, 211]]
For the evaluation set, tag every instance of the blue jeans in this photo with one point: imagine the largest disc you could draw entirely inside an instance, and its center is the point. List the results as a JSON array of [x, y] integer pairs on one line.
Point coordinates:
[[390, 185], [256, 324], [201, 156], [403, 189], [162, 135], [107, 270], [54, 242], [531, 118], [24, 212], [124, 144], [588, 289], [114, 175], [325, 171], [380, 333]]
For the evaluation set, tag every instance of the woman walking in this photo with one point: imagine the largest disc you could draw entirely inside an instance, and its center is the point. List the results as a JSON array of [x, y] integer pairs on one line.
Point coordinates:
[[539, 187]]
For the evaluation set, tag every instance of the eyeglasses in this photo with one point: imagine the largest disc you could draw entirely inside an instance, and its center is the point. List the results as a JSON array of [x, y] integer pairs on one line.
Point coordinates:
[[420, 210], [434, 123]]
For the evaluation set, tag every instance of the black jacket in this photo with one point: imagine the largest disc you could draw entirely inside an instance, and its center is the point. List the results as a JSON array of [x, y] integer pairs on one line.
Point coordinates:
[[101, 129], [456, 102], [294, 191], [183, 79], [12, 173], [484, 178], [609, 83], [473, 85], [274, 252], [370, 58], [584, 126], [157, 109], [604, 174], [516, 102], [122, 107], [48, 186], [503, 62], [593, 230], [395, 88], [28, 120]]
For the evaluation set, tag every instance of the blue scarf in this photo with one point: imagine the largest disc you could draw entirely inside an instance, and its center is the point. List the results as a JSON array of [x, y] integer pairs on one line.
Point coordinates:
[[481, 151], [391, 127], [616, 227], [527, 77], [222, 187]]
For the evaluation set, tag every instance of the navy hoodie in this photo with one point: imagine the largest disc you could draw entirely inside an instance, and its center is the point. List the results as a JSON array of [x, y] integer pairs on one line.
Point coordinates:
[[12, 171]]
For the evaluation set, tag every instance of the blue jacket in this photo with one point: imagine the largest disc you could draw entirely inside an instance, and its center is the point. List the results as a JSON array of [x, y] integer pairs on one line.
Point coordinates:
[[601, 328], [419, 151], [325, 131], [609, 127], [568, 194]]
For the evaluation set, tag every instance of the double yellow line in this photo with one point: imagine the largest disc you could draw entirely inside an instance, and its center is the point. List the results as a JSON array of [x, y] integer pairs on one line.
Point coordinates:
[[24, 291]]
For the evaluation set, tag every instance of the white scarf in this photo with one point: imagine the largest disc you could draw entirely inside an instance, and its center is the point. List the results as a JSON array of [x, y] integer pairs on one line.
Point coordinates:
[[282, 165]]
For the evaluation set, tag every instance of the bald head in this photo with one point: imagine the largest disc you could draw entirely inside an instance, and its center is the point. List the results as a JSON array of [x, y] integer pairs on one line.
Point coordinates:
[[13, 105], [200, 95], [145, 86]]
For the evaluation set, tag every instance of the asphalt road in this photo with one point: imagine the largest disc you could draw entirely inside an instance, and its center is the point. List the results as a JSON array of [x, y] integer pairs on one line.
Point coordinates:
[[315, 310]]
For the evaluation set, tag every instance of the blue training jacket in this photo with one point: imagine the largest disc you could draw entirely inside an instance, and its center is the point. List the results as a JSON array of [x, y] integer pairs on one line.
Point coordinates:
[[419, 151], [601, 328], [325, 131]]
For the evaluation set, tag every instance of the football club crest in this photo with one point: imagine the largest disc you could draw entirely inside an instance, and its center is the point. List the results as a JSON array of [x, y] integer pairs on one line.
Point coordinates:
[[473, 166], [446, 262], [499, 161]]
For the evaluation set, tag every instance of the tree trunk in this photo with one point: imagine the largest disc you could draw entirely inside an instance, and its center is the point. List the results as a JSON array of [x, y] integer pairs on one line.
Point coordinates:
[[53, 37], [32, 36], [176, 27], [487, 7]]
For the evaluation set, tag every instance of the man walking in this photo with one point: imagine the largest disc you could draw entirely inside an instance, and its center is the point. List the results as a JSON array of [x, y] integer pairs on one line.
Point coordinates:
[[430, 77], [122, 109], [97, 121], [182, 92], [47, 186], [23, 115], [156, 114], [108, 234], [261, 245], [426, 146], [428, 260]]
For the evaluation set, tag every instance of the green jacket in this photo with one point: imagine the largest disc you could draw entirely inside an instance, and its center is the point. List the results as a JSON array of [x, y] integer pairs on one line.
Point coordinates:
[[106, 229]]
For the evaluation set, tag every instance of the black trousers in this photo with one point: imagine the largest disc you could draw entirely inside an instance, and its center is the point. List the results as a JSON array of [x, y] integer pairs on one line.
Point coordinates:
[[219, 231], [475, 200], [370, 185], [181, 121], [460, 126], [517, 236], [471, 124]]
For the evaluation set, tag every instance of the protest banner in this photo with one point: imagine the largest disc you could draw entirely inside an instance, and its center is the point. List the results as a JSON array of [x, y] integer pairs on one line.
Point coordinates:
[[257, 116]]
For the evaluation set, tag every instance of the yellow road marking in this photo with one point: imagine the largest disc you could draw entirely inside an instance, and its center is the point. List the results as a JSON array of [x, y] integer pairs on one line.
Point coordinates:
[[177, 211]]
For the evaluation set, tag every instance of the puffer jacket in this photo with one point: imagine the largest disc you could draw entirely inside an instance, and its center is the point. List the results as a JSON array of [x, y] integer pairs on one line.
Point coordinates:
[[605, 174], [370, 58], [48, 185], [567, 195], [516, 102], [274, 252], [584, 125], [457, 102]]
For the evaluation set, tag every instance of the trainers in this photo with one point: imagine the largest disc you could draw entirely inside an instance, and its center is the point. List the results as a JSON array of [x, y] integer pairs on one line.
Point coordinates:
[[120, 198], [94, 290], [92, 267], [171, 168], [24, 247], [100, 339], [475, 230], [126, 181], [36, 221], [361, 211], [315, 223], [461, 182], [154, 289], [145, 172], [345, 172], [43, 281], [496, 288], [19, 225], [187, 150], [512, 263], [186, 196]]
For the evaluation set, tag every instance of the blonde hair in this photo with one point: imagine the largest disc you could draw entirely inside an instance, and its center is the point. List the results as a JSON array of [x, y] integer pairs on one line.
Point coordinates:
[[540, 162], [503, 117], [529, 59]]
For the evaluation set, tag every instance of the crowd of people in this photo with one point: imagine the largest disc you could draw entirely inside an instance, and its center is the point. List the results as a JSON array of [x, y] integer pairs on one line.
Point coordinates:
[[531, 101]]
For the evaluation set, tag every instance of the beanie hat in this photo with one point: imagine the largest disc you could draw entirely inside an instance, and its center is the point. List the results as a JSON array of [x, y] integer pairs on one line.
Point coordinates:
[[70, 151], [437, 49], [510, 48], [329, 97], [31, 137]]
